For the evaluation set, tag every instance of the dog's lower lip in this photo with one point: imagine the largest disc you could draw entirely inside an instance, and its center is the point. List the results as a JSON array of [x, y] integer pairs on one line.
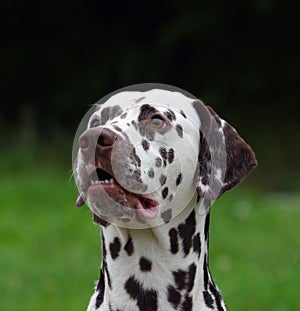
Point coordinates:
[[147, 207]]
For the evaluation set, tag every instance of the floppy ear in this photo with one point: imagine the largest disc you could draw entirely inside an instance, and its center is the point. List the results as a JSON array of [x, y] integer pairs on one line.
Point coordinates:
[[224, 157]]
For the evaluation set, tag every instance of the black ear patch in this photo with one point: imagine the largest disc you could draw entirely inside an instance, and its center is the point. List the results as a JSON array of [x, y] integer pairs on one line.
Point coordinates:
[[224, 157]]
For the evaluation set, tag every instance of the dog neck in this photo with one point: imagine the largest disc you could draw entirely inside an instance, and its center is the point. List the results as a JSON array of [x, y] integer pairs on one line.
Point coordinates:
[[160, 268]]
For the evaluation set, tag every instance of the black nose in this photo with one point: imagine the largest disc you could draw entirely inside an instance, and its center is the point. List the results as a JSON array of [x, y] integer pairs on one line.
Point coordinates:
[[96, 141]]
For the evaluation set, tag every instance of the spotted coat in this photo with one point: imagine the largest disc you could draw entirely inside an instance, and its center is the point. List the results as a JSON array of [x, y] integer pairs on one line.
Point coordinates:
[[161, 263]]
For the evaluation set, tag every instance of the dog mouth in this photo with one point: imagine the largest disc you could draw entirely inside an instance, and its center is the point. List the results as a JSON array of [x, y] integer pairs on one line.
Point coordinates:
[[102, 182]]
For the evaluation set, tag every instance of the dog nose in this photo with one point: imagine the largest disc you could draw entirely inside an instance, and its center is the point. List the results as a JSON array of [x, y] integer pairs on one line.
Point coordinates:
[[106, 138], [96, 140]]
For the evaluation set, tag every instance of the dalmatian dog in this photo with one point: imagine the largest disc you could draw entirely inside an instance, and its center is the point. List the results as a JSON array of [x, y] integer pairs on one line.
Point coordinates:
[[149, 165]]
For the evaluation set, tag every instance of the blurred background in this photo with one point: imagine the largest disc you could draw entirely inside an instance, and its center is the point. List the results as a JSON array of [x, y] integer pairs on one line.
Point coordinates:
[[59, 58]]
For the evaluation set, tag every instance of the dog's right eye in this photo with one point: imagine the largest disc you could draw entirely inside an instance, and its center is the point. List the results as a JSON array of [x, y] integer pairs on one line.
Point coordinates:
[[95, 123]]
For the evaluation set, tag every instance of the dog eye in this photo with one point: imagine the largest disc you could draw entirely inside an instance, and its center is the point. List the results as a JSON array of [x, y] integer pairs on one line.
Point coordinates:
[[157, 122], [95, 123]]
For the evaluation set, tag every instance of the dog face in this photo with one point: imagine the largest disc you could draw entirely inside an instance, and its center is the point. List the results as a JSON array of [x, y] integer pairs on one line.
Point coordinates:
[[145, 155]]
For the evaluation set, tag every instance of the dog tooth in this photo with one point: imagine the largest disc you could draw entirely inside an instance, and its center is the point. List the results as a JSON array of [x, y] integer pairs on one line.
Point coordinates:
[[111, 181]]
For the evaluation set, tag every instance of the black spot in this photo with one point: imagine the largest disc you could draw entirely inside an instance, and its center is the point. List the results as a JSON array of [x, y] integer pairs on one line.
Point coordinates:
[[139, 99], [204, 159], [174, 296], [162, 179], [146, 131], [107, 274], [173, 234], [206, 226], [108, 113], [145, 264], [145, 145], [137, 176], [217, 296], [129, 246], [146, 111], [164, 154], [197, 244], [208, 299], [205, 272], [191, 277], [171, 155], [178, 179], [179, 130], [171, 197], [164, 192], [146, 299], [100, 289], [158, 162], [104, 115], [183, 114], [201, 136], [118, 128], [115, 111], [103, 247], [170, 115], [135, 157], [151, 173], [180, 278], [166, 215], [134, 124], [114, 248], [124, 115], [186, 232], [187, 304]]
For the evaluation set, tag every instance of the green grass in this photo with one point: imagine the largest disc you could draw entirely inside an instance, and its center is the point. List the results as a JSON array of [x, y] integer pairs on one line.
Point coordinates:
[[50, 251], [255, 251]]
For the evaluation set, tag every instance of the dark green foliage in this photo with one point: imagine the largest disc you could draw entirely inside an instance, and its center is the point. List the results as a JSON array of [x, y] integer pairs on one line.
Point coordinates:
[[241, 58]]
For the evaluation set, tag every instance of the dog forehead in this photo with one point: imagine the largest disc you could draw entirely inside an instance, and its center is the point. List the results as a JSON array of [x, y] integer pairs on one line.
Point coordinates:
[[160, 99]]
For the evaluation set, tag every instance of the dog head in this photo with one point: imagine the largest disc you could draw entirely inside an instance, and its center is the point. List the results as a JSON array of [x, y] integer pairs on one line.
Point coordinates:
[[145, 155]]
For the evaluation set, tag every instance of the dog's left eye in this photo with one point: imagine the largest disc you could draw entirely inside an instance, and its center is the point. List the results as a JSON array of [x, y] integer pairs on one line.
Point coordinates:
[[157, 122], [95, 123]]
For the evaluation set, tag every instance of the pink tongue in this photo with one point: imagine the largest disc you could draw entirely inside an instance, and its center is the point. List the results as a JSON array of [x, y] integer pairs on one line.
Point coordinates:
[[124, 198], [146, 212]]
